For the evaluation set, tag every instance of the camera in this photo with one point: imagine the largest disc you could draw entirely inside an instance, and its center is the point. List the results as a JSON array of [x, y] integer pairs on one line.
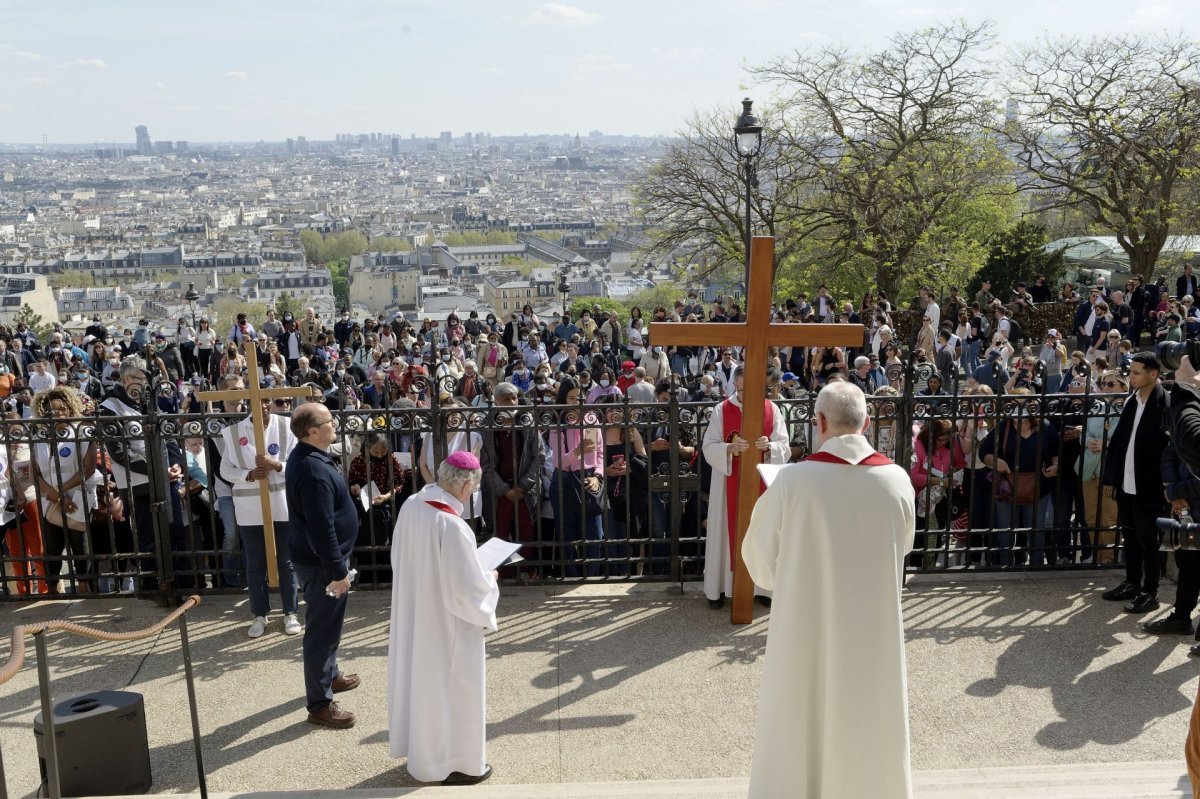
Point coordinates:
[[1183, 534], [1170, 353]]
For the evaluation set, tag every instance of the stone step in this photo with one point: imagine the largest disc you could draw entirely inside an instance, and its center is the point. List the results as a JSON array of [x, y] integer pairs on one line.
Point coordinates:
[[1154, 780]]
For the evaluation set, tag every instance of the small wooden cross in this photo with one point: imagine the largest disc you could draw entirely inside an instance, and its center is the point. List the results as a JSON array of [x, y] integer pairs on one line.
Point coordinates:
[[755, 336], [256, 394]]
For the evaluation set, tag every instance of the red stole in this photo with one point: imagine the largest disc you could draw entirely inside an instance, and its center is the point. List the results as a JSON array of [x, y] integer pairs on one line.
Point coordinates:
[[874, 459], [731, 422], [442, 506]]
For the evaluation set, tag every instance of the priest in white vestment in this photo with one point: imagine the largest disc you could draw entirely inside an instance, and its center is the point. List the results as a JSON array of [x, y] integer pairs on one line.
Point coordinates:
[[723, 444], [442, 602], [829, 537]]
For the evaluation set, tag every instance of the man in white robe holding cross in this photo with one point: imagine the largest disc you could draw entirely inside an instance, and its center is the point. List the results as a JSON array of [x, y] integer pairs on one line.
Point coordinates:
[[829, 537], [725, 441]]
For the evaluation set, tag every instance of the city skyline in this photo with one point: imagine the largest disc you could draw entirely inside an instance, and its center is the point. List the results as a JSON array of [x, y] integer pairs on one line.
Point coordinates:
[[80, 73]]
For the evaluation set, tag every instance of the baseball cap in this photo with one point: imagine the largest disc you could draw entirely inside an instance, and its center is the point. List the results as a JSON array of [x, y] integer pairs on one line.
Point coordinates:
[[627, 364], [789, 376], [993, 355], [1052, 333]]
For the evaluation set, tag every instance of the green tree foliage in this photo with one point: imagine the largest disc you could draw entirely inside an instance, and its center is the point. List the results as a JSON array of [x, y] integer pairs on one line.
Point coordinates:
[[390, 244], [663, 294], [72, 278], [286, 303], [581, 304], [226, 308], [1112, 126], [479, 238], [320, 249], [1015, 254], [34, 322], [893, 145], [339, 272]]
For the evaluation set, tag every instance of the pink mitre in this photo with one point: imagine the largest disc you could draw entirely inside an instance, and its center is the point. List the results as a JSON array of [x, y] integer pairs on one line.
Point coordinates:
[[462, 460]]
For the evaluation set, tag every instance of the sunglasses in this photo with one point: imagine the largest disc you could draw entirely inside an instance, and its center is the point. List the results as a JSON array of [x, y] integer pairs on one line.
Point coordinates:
[[283, 403], [1110, 384]]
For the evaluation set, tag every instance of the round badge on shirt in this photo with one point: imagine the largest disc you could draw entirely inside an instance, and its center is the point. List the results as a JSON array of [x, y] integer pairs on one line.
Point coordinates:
[[243, 441], [273, 449]]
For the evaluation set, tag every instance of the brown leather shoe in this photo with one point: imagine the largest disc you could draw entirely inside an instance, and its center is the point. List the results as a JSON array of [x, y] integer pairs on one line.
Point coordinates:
[[332, 716], [345, 682]]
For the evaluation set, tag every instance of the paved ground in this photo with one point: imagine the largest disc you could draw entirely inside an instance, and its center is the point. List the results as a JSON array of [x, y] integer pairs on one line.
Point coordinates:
[[618, 683]]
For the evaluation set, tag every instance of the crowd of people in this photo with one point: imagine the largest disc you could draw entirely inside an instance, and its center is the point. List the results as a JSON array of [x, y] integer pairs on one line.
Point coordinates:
[[575, 486]]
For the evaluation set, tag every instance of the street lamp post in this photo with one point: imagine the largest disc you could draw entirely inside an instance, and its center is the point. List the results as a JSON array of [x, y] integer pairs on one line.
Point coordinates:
[[191, 296], [564, 286], [747, 141]]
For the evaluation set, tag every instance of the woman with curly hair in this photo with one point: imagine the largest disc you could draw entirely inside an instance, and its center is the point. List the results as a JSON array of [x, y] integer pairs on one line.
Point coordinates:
[[64, 471]]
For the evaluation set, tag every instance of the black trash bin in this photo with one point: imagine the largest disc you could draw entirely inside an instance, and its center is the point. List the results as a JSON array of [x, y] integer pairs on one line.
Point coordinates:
[[101, 741]]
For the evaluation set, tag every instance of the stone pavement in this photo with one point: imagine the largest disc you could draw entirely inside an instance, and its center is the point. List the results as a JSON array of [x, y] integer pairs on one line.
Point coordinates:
[[596, 684]]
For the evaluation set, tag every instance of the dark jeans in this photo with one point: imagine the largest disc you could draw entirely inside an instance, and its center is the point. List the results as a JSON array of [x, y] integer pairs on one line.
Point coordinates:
[[1187, 587], [322, 635], [1140, 534], [255, 546], [571, 525], [55, 538]]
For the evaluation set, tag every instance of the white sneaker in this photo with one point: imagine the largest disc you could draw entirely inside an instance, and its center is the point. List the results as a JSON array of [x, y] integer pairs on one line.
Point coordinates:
[[291, 625], [257, 627]]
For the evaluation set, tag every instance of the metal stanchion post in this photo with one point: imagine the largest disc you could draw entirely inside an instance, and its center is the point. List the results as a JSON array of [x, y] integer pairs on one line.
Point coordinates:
[[48, 730], [191, 689]]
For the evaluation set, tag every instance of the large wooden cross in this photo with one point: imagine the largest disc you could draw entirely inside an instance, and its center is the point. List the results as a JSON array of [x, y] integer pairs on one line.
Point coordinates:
[[755, 336], [256, 394]]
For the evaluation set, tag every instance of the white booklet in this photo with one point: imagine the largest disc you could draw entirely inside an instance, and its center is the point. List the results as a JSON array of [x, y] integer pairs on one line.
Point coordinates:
[[496, 552], [769, 471], [367, 494]]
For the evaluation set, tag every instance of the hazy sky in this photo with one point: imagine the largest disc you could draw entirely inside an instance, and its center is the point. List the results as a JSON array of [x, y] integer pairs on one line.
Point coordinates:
[[215, 70]]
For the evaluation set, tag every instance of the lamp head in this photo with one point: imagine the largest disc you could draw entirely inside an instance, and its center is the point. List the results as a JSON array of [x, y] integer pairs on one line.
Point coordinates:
[[747, 133]]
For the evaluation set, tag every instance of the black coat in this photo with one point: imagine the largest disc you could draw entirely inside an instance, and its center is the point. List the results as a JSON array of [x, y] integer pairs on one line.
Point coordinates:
[[1151, 440]]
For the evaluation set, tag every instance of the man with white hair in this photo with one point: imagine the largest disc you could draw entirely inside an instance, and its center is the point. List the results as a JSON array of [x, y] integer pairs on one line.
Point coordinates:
[[827, 695], [442, 602], [862, 377]]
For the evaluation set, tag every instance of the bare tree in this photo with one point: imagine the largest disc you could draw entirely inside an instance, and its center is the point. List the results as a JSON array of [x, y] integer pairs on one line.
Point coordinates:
[[1112, 126], [890, 142], [693, 198]]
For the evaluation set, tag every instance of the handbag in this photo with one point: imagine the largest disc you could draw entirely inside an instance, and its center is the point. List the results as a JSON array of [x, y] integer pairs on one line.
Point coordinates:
[[109, 506], [1025, 488], [593, 502]]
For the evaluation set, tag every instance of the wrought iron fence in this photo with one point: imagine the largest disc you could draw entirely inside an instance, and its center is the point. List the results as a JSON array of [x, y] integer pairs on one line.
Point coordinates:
[[107, 503]]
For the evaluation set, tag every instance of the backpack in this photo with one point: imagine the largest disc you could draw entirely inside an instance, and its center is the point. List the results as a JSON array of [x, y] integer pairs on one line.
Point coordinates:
[[1014, 331]]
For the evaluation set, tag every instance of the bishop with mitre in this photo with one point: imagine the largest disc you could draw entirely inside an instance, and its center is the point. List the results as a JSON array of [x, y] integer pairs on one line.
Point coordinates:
[[443, 601]]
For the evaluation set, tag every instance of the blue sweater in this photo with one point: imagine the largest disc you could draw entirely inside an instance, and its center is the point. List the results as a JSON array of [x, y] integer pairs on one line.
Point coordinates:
[[322, 514]]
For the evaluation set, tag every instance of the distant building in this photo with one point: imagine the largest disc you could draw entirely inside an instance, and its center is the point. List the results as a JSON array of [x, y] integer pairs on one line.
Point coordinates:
[[32, 290], [306, 284], [103, 301], [386, 280], [506, 293], [143, 145]]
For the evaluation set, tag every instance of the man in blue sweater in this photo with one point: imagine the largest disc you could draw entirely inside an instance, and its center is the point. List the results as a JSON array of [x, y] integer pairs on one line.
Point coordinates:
[[324, 528]]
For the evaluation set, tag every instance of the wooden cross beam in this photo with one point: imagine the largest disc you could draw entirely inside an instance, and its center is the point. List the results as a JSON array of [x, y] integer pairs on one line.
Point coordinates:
[[754, 335], [256, 394]]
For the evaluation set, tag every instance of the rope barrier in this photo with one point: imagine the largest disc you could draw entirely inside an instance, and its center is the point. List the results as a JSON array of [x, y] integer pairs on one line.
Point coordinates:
[[16, 657]]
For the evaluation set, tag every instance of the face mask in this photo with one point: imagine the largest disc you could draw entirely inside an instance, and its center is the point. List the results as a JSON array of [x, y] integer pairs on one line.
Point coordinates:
[[606, 349], [385, 365], [522, 371], [604, 383], [78, 375], [657, 349], [108, 341], [446, 358]]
